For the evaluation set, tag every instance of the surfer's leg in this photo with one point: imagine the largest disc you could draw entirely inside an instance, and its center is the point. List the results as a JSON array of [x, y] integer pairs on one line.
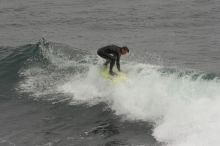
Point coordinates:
[[109, 59], [112, 63], [106, 56]]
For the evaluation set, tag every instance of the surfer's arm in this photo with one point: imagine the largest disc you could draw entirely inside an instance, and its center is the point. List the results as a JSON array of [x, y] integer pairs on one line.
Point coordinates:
[[118, 62]]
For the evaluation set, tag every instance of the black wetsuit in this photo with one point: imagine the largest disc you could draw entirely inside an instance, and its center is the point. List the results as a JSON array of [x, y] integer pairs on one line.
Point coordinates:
[[111, 54]]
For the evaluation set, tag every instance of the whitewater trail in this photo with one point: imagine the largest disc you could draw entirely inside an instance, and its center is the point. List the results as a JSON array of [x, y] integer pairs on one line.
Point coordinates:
[[183, 110]]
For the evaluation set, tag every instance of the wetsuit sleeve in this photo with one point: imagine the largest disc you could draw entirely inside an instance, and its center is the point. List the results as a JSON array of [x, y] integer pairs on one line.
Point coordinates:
[[118, 62]]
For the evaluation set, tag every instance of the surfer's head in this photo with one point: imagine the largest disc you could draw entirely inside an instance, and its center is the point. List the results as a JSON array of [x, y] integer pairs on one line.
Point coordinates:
[[124, 50]]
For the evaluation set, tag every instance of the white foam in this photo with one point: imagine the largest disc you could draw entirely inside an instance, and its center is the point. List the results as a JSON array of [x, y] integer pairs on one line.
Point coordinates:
[[84, 87], [185, 112]]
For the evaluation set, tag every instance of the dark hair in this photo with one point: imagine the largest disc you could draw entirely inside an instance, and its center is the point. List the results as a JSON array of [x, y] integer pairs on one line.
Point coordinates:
[[125, 47]]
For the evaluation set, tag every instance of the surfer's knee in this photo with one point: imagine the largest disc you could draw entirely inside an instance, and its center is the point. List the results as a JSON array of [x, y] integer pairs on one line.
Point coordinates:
[[106, 62]]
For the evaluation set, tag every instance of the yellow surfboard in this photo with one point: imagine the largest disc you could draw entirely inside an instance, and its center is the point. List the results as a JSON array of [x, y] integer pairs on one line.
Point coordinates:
[[120, 77]]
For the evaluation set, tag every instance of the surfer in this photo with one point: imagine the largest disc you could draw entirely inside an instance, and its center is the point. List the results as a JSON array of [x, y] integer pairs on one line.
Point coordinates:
[[112, 53]]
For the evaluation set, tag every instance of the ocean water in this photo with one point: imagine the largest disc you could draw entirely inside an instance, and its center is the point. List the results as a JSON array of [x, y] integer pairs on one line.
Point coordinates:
[[51, 92]]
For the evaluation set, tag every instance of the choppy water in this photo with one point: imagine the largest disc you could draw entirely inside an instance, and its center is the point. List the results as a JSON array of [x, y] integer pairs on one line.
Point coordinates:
[[51, 93]]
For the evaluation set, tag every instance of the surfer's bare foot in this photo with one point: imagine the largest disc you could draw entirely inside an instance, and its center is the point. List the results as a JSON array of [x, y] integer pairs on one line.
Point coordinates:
[[112, 73]]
